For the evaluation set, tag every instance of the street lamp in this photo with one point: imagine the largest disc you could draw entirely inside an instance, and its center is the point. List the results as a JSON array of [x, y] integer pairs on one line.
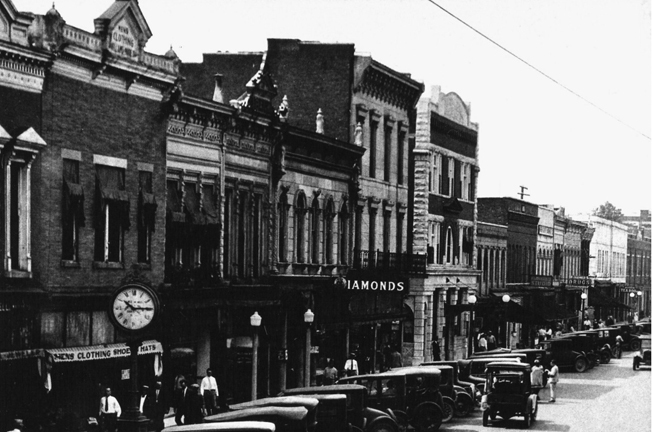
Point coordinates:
[[308, 318], [471, 299], [584, 296], [504, 334], [255, 321], [639, 302], [506, 298]]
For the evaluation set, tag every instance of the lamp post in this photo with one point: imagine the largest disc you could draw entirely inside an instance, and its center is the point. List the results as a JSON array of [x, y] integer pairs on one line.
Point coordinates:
[[584, 296], [506, 298], [255, 321], [639, 302], [471, 299], [308, 318]]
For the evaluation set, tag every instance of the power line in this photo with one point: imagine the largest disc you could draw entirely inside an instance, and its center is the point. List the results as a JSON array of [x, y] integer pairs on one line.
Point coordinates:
[[539, 70]]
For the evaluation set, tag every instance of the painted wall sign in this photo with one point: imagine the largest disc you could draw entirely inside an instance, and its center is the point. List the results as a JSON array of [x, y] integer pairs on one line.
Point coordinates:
[[367, 285], [101, 352], [123, 40]]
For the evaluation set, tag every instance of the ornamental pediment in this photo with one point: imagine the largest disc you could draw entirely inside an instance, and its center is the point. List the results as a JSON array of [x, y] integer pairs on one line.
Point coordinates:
[[124, 29]]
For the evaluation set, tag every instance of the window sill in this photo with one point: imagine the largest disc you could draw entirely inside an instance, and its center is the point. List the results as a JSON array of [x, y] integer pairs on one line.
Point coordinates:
[[108, 265], [143, 266], [18, 274], [70, 264]]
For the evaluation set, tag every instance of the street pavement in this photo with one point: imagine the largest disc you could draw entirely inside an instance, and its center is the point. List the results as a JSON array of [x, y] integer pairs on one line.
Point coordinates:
[[610, 397]]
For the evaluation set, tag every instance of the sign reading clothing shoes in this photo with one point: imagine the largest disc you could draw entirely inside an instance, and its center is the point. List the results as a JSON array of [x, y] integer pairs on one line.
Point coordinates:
[[101, 352], [124, 41]]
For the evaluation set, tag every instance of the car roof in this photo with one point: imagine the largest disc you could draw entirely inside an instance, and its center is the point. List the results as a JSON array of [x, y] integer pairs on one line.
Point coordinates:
[[325, 389], [290, 413], [411, 370], [308, 402], [438, 366], [236, 426], [645, 336], [509, 365]]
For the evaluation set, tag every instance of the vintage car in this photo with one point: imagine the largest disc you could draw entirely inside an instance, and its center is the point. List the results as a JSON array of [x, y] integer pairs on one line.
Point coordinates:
[[358, 413], [473, 369], [563, 352], [410, 394], [310, 403], [509, 393], [643, 357], [631, 340], [586, 344], [462, 400], [526, 355], [468, 386], [603, 339], [237, 426], [286, 419]]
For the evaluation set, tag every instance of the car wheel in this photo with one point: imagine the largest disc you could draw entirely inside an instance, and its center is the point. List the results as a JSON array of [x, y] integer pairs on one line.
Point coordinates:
[[383, 425], [485, 418], [535, 410], [427, 418], [527, 419], [636, 363], [635, 345], [463, 405], [605, 357], [448, 410], [400, 418], [581, 365]]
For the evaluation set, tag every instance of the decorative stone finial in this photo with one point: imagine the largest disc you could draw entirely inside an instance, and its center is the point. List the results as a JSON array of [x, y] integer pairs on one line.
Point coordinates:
[[283, 109], [320, 122], [358, 134]]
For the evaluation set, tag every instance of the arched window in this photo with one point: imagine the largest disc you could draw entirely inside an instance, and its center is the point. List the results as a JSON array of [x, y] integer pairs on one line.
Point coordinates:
[[329, 213], [314, 231], [343, 226], [283, 227], [300, 227]]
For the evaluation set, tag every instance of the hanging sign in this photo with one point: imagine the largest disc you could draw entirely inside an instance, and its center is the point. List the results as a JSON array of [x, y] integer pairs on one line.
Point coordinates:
[[102, 352]]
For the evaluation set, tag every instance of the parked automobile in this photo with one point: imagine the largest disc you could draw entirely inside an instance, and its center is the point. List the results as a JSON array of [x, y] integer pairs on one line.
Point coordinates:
[[237, 426], [562, 350], [412, 394], [286, 419], [462, 402], [643, 327], [473, 369], [604, 342], [468, 386], [585, 343], [309, 403], [629, 334], [509, 393], [526, 355], [358, 413], [643, 356]]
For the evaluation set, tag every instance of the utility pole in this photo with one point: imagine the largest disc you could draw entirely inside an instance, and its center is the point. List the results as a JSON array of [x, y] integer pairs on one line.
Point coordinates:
[[522, 192]]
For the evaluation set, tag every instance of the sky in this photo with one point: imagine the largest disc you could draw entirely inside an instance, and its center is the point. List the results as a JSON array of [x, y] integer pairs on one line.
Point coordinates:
[[570, 120]]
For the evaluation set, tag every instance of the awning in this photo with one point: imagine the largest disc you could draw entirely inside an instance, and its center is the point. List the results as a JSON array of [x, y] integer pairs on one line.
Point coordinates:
[[510, 311], [596, 298], [102, 352], [23, 354]]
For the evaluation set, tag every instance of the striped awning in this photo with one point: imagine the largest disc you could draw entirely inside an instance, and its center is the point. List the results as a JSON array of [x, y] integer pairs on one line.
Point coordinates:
[[22, 354]]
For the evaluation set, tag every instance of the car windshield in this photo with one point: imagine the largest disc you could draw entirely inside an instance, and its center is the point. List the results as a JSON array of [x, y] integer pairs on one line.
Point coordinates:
[[506, 382]]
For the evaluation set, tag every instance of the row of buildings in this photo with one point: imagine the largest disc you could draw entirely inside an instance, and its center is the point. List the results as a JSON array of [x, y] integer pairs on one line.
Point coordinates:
[[303, 178]]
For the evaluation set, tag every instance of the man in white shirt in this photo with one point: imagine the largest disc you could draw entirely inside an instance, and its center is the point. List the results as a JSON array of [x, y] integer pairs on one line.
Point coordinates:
[[109, 411], [351, 366], [210, 392]]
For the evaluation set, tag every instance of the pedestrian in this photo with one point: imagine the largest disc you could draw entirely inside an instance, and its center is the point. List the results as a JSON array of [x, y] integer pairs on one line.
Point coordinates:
[[180, 402], [210, 392], [553, 379], [109, 411], [610, 321], [491, 341], [536, 375], [397, 360], [482, 343], [330, 373], [436, 354], [194, 406], [619, 346], [160, 404], [513, 340], [144, 401], [351, 366]]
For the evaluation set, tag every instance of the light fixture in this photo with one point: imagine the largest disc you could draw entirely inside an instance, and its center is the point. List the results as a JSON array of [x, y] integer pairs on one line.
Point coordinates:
[[632, 295], [506, 298], [308, 317], [472, 299], [584, 296], [255, 320], [639, 293]]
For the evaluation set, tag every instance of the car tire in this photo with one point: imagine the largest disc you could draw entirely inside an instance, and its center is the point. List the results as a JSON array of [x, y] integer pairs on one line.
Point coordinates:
[[581, 365], [400, 418], [448, 410], [635, 345], [535, 410], [605, 357], [526, 420], [485, 418], [463, 405], [383, 425], [427, 418], [636, 364]]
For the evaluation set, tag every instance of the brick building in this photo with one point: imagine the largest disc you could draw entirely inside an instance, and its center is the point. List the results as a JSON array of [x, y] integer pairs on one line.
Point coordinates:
[[83, 144]]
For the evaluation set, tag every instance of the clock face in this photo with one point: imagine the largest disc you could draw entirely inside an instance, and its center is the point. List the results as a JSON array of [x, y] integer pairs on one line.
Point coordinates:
[[134, 308]]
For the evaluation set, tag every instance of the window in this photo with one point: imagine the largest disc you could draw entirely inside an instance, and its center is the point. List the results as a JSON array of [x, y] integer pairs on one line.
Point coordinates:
[[174, 219], [400, 149], [283, 227], [300, 227], [343, 225], [388, 152], [465, 181], [72, 214], [314, 231], [372, 230], [449, 246], [111, 214], [399, 232], [328, 232], [373, 136], [451, 177], [146, 216], [211, 231], [387, 230], [467, 245], [434, 248]]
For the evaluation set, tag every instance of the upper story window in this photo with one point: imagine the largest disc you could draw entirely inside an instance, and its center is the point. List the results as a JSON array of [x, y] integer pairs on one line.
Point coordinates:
[[450, 247], [283, 210], [465, 181], [329, 214], [400, 154], [72, 214], [343, 225], [315, 237], [146, 216], [451, 177], [373, 136], [436, 181], [387, 172], [111, 213], [300, 211]]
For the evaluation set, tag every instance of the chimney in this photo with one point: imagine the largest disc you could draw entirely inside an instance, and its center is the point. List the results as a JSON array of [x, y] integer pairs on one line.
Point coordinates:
[[218, 96]]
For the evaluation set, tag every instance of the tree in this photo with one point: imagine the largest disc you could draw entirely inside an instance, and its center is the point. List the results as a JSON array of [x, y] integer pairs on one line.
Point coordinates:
[[609, 211]]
